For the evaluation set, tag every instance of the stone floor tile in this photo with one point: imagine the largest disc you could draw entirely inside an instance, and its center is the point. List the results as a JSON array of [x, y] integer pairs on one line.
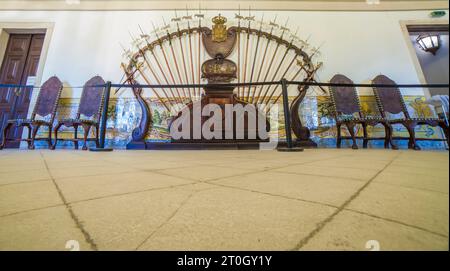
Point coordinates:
[[353, 231], [44, 229], [202, 173], [124, 222], [28, 196], [349, 173], [229, 219], [326, 190], [88, 187], [423, 209]]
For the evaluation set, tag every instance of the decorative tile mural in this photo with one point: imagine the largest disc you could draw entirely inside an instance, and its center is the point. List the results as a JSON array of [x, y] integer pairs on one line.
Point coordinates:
[[124, 115], [325, 133]]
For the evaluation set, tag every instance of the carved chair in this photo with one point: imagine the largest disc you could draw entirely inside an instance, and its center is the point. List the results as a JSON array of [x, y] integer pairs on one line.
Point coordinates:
[[88, 114], [390, 100], [45, 107], [347, 111]]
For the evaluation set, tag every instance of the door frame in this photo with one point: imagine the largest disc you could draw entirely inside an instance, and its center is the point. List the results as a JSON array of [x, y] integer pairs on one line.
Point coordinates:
[[7, 28], [412, 51]]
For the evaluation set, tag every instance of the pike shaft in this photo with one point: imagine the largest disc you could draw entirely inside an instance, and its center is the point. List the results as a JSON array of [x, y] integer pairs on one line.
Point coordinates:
[[246, 59], [154, 91], [154, 74], [176, 68], [190, 54], [199, 49], [170, 72], [261, 66], [271, 62], [164, 75], [254, 61], [282, 76], [239, 60], [268, 69], [184, 66], [150, 66]]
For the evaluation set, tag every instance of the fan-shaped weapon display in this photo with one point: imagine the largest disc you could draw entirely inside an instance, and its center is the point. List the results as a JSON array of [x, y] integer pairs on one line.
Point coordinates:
[[194, 50]]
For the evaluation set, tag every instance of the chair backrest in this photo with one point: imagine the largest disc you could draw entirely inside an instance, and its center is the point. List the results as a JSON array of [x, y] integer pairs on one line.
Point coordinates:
[[345, 98], [92, 98], [48, 98], [389, 99]]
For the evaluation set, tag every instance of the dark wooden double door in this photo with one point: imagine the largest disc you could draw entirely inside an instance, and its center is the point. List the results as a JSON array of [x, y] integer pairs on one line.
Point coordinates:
[[20, 61]]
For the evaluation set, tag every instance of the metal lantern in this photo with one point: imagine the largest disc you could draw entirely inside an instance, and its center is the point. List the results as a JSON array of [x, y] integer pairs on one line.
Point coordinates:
[[428, 43]]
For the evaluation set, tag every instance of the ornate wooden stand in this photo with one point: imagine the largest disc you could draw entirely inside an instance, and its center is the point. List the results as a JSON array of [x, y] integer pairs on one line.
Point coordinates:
[[222, 96], [139, 133], [301, 132]]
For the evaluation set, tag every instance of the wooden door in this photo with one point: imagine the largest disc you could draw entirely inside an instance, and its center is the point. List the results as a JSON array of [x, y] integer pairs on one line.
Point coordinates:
[[20, 61]]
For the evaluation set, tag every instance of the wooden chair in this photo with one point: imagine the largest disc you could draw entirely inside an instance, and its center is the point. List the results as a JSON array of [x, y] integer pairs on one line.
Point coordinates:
[[88, 114], [46, 106], [347, 111], [390, 100]]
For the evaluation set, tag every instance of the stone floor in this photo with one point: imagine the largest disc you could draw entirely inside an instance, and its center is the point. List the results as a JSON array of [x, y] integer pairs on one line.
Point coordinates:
[[323, 199]]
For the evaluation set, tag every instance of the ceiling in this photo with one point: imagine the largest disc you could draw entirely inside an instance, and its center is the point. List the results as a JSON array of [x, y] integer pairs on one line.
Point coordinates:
[[347, 5], [206, 1]]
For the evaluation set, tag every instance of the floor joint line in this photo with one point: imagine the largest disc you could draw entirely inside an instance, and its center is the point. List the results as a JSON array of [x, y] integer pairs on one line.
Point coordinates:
[[78, 223], [323, 223]]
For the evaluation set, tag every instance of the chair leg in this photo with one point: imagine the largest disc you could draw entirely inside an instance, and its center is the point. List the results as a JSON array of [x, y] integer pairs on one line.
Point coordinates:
[[75, 143], [97, 143], [389, 131], [5, 133], [35, 129], [365, 140], [410, 125], [55, 130], [444, 127], [338, 139], [49, 138], [351, 127], [29, 136], [86, 129]]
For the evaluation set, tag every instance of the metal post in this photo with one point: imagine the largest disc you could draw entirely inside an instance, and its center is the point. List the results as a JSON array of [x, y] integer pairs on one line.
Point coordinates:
[[103, 120], [287, 119]]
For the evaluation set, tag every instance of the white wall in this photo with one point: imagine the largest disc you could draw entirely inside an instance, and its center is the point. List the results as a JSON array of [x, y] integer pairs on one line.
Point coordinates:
[[358, 44]]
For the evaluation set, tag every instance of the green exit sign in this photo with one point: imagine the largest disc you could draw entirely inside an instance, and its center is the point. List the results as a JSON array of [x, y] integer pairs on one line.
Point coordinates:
[[437, 14]]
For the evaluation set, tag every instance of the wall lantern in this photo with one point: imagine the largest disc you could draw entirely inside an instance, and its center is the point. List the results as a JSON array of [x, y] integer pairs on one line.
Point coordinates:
[[429, 43]]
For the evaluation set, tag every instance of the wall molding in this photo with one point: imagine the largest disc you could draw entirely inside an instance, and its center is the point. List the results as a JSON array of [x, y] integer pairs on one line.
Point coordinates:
[[307, 5]]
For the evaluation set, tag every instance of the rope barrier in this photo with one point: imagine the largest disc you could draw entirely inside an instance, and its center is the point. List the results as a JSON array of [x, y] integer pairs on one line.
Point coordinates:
[[279, 83], [369, 85], [15, 86], [29, 86], [247, 84]]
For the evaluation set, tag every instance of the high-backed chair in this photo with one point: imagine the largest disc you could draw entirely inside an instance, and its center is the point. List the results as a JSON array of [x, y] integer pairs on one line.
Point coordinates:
[[43, 114], [347, 111], [390, 100], [88, 114]]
